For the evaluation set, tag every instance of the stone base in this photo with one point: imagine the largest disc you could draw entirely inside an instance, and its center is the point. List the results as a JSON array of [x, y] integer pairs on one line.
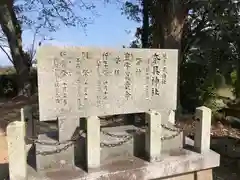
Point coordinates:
[[53, 160], [176, 163], [199, 175], [134, 147]]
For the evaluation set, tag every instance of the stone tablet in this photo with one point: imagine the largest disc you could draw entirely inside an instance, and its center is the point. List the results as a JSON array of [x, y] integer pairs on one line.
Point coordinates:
[[82, 81]]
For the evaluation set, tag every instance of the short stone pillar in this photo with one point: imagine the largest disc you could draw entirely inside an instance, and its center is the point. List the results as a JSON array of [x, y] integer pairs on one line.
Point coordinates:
[[203, 129], [26, 115], [153, 136], [17, 154], [171, 117], [93, 142]]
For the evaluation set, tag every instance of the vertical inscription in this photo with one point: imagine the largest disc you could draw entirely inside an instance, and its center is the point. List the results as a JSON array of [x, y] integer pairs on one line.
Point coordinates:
[[138, 63], [99, 89], [164, 70], [78, 83], [85, 74], [64, 90], [105, 57], [147, 80], [155, 74], [63, 74], [116, 71], [128, 75], [57, 83], [83, 87], [78, 61], [61, 96]]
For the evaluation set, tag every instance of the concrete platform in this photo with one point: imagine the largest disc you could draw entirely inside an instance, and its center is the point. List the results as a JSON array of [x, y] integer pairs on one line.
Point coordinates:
[[175, 163], [134, 147]]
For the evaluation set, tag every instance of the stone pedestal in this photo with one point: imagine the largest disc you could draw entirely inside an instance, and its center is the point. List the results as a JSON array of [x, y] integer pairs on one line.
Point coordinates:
[[53, 156], [50, 156], [183, 165], [17, 150], [93, 142], [26, 116], [203, 129], [153, 135]]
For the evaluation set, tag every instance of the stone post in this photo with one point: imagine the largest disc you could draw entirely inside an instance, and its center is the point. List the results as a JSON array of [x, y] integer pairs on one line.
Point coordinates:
[[26, 115], [171, 117], [203, 129], [153, 136], [93, 142], [17, 150]]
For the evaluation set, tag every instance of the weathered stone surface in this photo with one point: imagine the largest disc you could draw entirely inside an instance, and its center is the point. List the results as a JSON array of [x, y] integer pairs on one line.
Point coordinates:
[[153, 144], [203, 129], [137, 169], [47, 156], [204, 175], [93, 142], [189, 176], [27, 117], [67, 127], [96, 81], [135, 146], [17, 150]]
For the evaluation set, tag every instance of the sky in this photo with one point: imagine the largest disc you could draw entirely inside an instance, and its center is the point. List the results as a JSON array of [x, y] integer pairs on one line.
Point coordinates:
[[109, 29]]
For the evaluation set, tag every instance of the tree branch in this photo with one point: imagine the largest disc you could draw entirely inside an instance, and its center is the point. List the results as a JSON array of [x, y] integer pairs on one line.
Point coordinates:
[[5, 52]]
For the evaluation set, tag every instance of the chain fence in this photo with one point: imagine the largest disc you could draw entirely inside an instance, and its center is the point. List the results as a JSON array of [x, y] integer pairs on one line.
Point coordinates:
[[65, 144], [122, 139]]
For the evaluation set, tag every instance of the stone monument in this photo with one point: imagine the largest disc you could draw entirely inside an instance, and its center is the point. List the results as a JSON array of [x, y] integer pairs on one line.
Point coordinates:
[[81, 82]]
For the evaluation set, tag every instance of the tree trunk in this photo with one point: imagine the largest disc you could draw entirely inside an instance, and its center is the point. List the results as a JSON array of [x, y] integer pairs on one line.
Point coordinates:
[[12, 30], [168, 21], [145, 27]]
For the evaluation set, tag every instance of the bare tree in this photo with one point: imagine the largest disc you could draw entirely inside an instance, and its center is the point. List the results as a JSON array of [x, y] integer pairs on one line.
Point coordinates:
[[40, 14]]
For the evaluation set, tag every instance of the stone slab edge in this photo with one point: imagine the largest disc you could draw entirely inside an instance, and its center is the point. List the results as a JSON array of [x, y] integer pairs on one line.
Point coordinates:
[[171, 166]]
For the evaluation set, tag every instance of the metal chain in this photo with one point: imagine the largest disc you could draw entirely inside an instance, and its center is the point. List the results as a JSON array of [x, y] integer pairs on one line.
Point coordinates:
[[44, 153], [125, 138], [114, 135], [170, 129], [66, 143], [170, 137], [129, 137], [47, 143], [110, 145]]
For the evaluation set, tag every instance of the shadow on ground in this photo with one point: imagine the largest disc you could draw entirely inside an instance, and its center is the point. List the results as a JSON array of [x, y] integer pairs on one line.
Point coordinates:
[[4, 171], [229, 149]]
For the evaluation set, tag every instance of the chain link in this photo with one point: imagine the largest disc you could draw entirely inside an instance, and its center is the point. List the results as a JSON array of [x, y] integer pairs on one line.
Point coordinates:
[[58, 150], [114, 135], [171, 129], [110, 145], [127, 138], [66, 143]]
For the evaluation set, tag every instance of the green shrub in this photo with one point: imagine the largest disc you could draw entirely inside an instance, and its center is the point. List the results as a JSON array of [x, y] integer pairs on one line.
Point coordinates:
[[9, 86]]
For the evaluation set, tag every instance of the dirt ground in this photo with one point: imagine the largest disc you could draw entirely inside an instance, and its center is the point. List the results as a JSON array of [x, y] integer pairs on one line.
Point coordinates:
[[225, 140]]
